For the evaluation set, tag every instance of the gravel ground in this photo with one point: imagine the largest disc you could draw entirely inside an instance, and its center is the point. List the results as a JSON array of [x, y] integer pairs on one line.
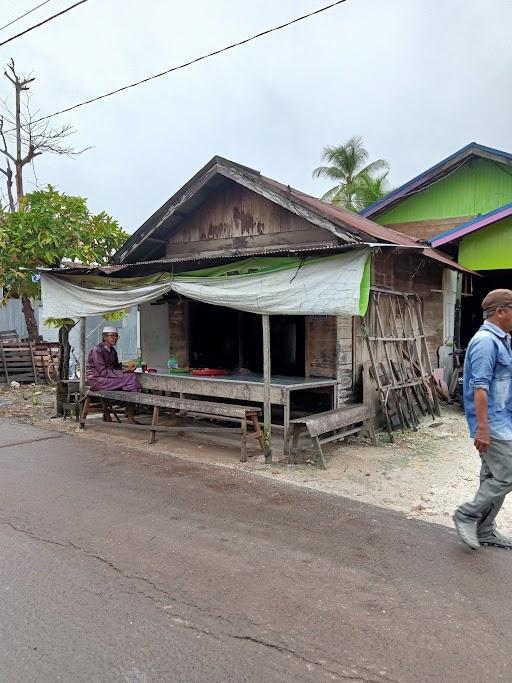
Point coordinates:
[[424, 474], [29, 403]]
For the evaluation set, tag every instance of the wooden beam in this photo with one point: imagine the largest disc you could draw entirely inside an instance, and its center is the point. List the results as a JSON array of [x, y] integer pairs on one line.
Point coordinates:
[[156, 240], [267, 378], [82, 356]]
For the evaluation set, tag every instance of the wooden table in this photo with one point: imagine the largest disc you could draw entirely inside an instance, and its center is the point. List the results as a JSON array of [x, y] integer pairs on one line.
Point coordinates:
[[239, 387]]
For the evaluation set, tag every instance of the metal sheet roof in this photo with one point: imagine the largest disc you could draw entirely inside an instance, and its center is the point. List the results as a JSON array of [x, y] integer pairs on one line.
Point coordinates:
[[365, 227], [458, 158], [347, 227]]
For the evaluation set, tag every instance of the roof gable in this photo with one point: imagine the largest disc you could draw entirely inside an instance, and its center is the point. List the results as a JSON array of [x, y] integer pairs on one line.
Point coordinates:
[[434, 174], [349, 227]]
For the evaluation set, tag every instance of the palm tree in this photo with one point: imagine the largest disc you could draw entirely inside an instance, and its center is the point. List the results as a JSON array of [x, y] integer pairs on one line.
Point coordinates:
[[370, 189], [353, 176]]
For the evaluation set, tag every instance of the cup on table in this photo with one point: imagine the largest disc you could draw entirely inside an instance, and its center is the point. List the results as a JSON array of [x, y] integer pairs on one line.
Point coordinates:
[[144, 367]]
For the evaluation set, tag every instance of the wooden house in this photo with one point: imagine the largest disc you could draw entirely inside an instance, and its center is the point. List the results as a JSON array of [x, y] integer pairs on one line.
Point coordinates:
[[228, 212], [462, 206]]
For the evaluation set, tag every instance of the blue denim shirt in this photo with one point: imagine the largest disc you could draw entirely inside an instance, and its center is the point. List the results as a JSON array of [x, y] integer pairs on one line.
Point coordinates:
[[488, 366]]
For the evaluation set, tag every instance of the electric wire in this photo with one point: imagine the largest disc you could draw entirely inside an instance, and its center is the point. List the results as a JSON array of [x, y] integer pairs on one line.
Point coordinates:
[[41, 23], [24, 15], [192, 61]]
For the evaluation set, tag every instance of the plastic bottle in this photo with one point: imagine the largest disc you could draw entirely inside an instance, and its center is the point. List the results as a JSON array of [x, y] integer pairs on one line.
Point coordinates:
[[172, 363]]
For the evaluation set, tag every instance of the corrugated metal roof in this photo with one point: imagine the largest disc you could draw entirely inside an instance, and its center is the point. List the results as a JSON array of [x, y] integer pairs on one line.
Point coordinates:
[[447, 261], [349, 228], [81, 270], [344, 217]]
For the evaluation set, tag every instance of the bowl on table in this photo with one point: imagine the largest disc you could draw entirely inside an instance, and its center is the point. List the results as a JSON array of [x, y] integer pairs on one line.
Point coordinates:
[[209, 372]]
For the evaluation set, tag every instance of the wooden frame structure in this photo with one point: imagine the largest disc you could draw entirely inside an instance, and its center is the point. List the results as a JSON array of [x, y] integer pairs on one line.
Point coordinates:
[[400, 364]]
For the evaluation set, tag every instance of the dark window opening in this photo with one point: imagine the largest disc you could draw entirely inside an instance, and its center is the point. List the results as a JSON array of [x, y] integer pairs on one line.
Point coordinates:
[[225, 338], [471, 306], [213, 336]]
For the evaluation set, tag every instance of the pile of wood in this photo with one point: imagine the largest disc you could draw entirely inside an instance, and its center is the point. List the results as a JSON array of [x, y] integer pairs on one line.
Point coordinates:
[[32, 362], [400, 364]]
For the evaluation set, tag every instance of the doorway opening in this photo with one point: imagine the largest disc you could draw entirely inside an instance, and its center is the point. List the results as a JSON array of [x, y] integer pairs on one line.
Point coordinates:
[[471, 306]]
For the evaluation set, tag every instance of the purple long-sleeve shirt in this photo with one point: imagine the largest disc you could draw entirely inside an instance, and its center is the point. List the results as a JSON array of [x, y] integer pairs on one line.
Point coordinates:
[[104, 371]]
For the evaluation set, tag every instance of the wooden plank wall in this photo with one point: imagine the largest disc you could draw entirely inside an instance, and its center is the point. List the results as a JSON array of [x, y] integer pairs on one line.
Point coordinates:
[[423, 230], [236, 218], [321, 346], [329, 351]]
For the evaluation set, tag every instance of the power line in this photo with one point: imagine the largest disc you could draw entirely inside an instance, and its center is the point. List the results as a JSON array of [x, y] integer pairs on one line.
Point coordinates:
[[192, 61], [59, 14], [24, 15]]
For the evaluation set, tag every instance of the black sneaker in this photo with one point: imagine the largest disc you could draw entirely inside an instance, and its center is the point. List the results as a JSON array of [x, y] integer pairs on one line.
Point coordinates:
[[496, 539]]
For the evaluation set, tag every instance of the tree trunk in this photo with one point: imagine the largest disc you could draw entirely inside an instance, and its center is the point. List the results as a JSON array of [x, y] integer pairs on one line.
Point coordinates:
[[61, 397], [30, 319], [65, 353], [12, 205]]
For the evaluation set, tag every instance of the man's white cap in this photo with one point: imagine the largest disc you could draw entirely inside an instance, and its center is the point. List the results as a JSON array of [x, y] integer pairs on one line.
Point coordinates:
[[109, 330]]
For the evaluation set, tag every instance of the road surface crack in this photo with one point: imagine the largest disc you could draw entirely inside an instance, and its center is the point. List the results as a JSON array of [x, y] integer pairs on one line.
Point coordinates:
[[24, 443], [345, 675], [34, 536], [351, 675]]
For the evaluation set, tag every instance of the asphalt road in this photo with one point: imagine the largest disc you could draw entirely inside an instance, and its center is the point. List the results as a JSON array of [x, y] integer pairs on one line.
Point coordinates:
[[116, 565]]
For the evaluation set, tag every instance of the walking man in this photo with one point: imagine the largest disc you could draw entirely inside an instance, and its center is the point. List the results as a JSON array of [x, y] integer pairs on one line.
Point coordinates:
[[488, 408]]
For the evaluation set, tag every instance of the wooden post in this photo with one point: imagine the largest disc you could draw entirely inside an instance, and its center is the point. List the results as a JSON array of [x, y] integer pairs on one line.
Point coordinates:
[[82, 357], [267, 378], [241, 350]]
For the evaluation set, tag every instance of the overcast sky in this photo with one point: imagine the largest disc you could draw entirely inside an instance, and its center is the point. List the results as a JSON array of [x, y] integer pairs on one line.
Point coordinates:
[[418, 79]]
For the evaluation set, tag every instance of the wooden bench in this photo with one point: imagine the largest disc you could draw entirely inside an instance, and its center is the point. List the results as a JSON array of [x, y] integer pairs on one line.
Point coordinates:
[[201, 409], [337, 423]]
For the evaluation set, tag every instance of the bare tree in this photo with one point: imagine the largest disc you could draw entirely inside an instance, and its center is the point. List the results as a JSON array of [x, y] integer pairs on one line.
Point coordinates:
[[7, 171], [23, 138]]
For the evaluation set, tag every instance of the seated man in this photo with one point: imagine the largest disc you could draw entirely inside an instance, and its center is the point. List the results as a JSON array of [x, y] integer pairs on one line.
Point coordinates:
[[104, 372]]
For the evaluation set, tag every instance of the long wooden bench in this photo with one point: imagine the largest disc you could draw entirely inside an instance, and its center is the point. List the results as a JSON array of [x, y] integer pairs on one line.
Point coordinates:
[[337, 424], [225, 412]]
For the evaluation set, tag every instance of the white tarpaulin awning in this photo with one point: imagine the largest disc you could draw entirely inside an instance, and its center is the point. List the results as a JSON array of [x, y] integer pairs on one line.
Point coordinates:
[[333, 285], [72, 296]]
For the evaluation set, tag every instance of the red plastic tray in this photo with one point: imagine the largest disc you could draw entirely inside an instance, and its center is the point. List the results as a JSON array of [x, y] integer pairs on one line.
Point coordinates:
[[209, 372]]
